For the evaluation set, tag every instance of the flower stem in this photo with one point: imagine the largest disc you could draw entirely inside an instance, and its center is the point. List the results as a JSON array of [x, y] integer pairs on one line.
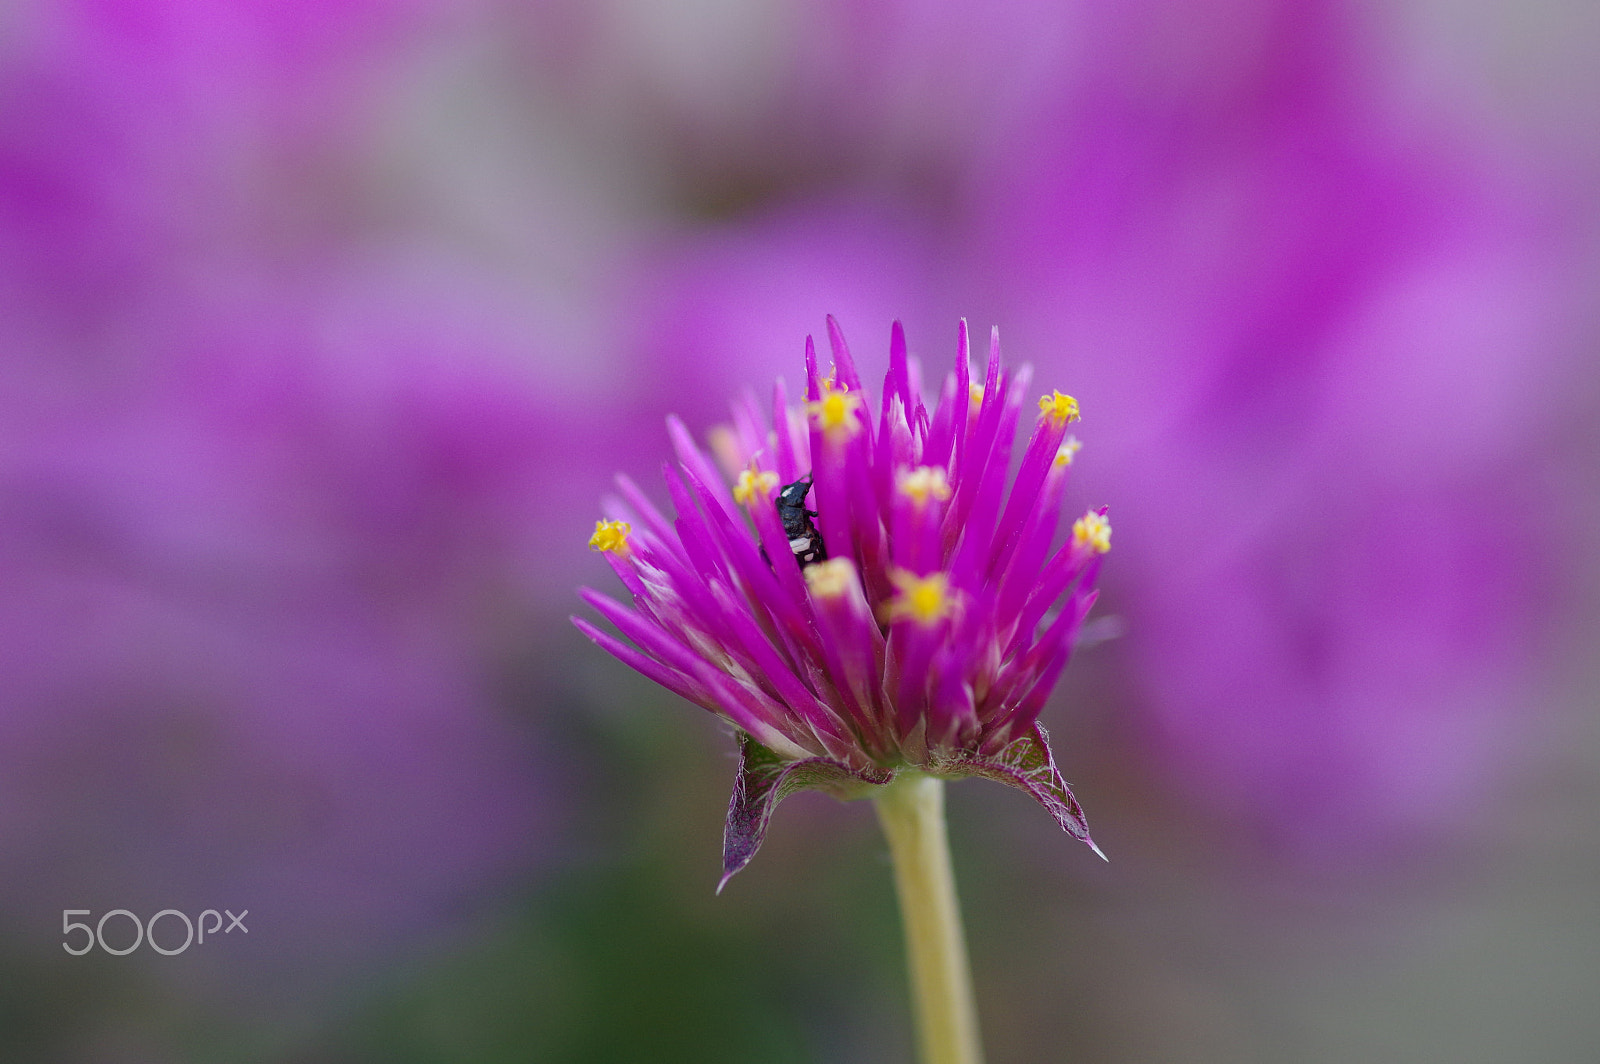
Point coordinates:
[[911, 810]]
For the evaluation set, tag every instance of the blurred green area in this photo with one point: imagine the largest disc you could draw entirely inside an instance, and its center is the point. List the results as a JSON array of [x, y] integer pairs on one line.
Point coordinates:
[[1192, 944], [619, 951], [628, 955]]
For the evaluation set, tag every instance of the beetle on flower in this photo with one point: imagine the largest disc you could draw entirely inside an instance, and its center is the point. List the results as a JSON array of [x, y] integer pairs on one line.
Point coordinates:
[[924, 631]]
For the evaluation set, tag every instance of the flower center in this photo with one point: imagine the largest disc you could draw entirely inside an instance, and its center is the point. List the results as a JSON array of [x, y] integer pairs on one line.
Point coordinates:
[[1062, 409], [1093, 530], [834, 413], [610, 536], [924, 599], [923, 483], [831, 578], [753, 483]]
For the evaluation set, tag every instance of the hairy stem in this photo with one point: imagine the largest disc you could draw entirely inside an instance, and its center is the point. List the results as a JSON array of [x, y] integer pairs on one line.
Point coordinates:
[[911, 810]]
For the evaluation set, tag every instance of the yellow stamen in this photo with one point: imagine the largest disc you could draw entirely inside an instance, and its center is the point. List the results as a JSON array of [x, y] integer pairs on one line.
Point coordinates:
[[610, 536], [924, 599], [724, 444], [923, 483], [1069, 449], [835, 411], [975, 397], [1063, 408], [831, 578], [1092, 530], [753, 483]]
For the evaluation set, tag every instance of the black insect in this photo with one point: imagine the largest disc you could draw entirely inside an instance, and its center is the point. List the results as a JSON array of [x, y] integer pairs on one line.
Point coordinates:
[[804, 539]]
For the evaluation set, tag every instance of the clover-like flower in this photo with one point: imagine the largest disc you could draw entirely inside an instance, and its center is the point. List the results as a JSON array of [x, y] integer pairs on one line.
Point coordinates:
[[914, 615]]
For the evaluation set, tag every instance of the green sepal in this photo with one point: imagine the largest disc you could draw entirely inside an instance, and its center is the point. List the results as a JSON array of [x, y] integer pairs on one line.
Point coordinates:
[[765, 779], [1026, 764]]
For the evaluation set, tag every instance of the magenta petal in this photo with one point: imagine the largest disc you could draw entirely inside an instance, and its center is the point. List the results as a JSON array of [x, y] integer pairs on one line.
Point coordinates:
[[1025, 491], [646, 666], [899, 379], [779, 556], [831, 493], [750, 433], [645, 508], [1025, 568], [866, 522], [980, 519], [763, 662], [630, 578], [813, 375], [749, 709], [692, 530], [843, 364], [940, 436], [647, 634], [788, 465], [916, 533], [853, 650], [911, 647], [952, 714], [695, 460], [766, 593], [1070, 563], [1036, 674], [963, 403]]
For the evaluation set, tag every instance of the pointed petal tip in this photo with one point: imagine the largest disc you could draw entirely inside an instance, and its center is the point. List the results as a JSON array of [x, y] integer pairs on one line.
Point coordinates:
[[728, 872], [589, 595], [1088, 842]]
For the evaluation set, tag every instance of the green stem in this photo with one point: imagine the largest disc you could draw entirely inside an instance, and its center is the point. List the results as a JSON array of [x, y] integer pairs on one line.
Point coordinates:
[[911, 810]]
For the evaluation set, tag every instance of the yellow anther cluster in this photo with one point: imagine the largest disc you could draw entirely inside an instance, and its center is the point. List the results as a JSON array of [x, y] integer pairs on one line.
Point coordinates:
[[1069, 450], [753, 483], [923, 483], [1092, 530], [835, 411], [831, 578], [610, 536], [1063, 408], [975, 396], [924, 599]]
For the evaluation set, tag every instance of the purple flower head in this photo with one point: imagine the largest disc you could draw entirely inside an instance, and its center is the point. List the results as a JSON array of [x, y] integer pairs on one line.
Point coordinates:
[[855, 590]]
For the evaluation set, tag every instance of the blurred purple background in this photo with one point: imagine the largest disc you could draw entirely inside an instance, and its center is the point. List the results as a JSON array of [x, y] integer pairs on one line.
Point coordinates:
[[323, 327]]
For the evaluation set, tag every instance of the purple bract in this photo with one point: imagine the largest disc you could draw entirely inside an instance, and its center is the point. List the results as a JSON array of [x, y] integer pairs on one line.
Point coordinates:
[[936, 627]]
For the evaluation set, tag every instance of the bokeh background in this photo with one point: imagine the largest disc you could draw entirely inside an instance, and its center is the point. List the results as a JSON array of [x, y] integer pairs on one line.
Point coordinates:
[[325, 323]]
